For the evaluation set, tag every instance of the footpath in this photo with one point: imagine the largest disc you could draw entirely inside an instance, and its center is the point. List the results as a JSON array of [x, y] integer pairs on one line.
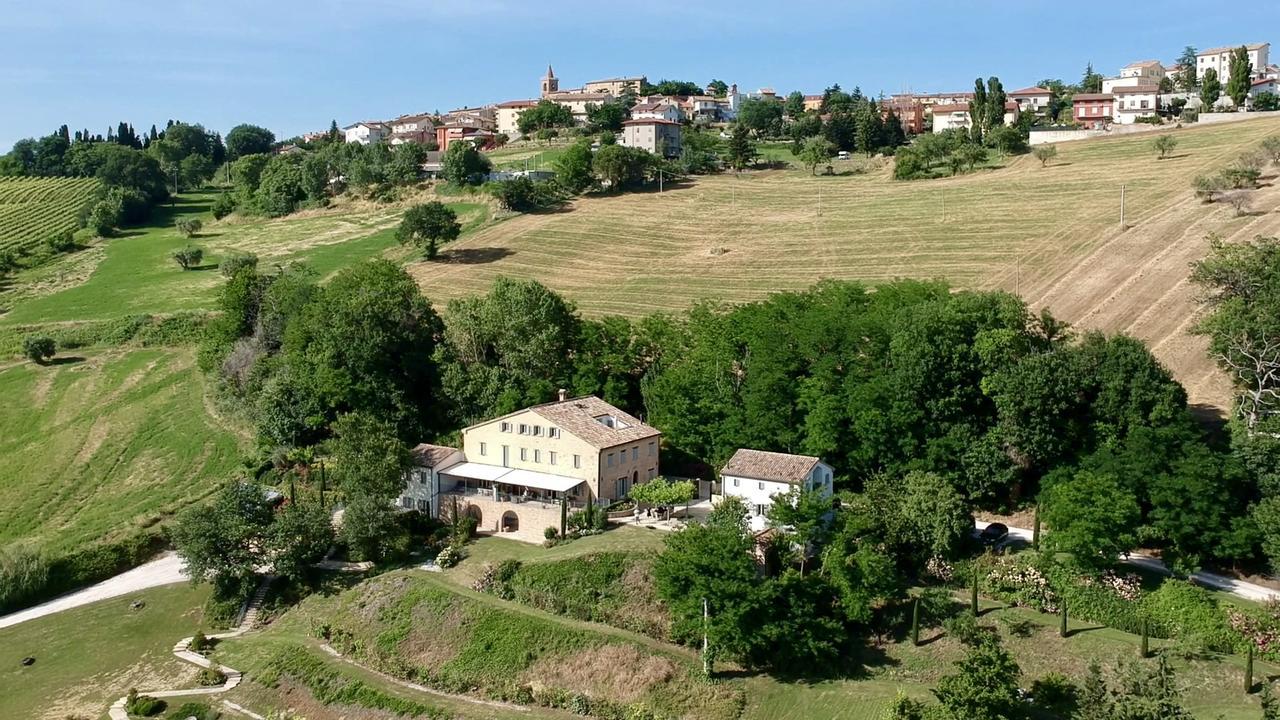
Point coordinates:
[[183, 651]]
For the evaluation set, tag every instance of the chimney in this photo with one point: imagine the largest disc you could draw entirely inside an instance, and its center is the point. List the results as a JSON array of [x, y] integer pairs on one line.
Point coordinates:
[[564, 394]]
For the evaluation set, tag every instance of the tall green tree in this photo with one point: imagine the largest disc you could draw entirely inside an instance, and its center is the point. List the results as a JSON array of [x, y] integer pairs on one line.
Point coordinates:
[[1091, 82], [573, 167], [364, 342], [1187, 78], [371, 462], [247, 140], [463, 164], [1090, 516], [1239, 76], [428, 226], [794, 107], [507, 349], [1210, 89], [978, 111], [740, 150], [223, 542]]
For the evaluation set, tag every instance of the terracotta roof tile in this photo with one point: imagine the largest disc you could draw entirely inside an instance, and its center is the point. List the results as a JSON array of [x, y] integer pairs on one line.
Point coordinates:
[[582, 417], [428, 455], [772, 466]]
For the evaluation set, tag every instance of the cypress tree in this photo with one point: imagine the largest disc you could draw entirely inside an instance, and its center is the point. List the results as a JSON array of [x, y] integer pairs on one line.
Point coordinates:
[[973, 599], [915, 622], [1146, 635], [1035, 530], [1062, 618], [1248, 671], [977, 111]]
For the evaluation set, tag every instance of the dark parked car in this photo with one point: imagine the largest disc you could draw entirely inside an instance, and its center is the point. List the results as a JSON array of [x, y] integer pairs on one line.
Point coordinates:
[[994, 533]]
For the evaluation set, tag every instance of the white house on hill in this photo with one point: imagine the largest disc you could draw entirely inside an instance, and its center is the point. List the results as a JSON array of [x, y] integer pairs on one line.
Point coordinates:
[[757, 476]]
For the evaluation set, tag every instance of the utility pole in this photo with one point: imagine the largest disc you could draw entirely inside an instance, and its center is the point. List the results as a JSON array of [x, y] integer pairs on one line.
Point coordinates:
[[1122, 207], [659, 179]]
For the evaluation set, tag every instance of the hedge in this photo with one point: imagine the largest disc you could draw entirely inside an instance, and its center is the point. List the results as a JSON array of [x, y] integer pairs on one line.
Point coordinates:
[[1177, 609], [74, 570]]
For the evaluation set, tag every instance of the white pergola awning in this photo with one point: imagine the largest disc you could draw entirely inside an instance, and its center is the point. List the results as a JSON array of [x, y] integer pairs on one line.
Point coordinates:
[[540, 480], [512, 476], [475, 471]]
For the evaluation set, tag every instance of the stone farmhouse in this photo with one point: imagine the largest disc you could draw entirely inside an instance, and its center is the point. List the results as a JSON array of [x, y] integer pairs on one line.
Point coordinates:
[[757, 476], [517, 474]]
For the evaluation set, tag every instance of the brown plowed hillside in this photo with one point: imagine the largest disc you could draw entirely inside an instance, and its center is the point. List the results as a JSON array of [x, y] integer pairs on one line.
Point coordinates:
[[1050, 233]]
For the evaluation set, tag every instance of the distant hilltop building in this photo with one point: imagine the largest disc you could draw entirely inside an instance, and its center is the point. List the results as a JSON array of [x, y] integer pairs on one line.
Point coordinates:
[[613, 87], [550, 83]]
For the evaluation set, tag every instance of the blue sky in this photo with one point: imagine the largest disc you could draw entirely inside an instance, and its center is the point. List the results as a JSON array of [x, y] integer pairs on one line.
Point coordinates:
[[293, 66]]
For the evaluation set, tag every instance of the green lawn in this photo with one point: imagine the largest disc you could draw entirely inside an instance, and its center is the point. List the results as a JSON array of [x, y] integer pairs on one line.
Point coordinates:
[[1211, 686], [88, 657], [534, 155], [495, 549], [100, 445], [134, 273]]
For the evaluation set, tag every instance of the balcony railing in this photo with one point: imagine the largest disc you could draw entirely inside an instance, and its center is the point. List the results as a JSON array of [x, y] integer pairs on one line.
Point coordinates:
[[513, 498]]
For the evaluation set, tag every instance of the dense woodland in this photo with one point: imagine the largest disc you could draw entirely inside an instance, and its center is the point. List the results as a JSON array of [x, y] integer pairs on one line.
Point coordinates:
[[913, 377]]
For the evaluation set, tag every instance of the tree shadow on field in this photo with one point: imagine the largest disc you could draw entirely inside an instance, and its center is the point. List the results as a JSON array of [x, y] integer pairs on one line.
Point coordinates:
[[1179, 156], [65, 360], [1209, 416], [203, 268], [474, 256]]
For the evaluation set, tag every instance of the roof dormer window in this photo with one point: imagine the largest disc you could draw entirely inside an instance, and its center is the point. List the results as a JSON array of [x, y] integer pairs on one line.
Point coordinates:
[[611, 422]]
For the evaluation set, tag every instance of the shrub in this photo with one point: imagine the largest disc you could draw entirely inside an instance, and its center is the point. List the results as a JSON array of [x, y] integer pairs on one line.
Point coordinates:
[[38, 348], [937, 605], [449, 557], [209, 677], [200, 643], [965, 628], [188, 257], [1208, 186], [189, 226], [550, 533], [1054, 690], [143, 705], [223, 205], [62, 242], [1188, 613], [236, 262], [1044, 153]]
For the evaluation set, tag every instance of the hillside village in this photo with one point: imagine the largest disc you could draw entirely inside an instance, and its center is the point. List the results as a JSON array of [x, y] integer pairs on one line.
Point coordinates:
[[645, 401], [1144, 91]]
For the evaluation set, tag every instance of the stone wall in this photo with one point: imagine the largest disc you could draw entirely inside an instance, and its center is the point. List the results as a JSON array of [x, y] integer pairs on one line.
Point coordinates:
[[531, 518]]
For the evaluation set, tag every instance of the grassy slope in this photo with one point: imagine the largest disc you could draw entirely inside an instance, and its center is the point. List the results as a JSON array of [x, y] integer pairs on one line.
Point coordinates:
[[1211, 686], [89, 656], [420, 621], [637, 253], [104, 445], [135, 273]]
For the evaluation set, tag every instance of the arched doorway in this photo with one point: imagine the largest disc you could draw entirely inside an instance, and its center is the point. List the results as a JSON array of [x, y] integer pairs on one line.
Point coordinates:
[[474, 511], [510, 522]]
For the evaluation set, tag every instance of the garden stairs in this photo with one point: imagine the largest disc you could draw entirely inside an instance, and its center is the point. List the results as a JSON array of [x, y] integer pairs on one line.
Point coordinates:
[[248, 616]]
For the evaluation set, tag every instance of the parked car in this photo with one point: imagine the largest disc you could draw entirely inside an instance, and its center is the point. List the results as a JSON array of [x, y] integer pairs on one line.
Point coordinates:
[[994, 533]]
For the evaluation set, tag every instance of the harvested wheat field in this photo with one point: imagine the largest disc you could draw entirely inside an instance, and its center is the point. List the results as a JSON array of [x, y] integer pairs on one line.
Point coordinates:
[[1050, 233]]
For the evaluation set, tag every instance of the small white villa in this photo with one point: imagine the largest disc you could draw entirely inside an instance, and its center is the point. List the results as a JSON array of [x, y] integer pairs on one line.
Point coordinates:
[[758, 475]]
